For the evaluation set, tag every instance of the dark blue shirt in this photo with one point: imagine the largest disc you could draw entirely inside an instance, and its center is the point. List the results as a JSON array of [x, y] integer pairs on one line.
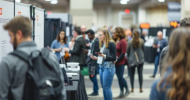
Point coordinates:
[[163, 43], [159, 93], [57, 45]]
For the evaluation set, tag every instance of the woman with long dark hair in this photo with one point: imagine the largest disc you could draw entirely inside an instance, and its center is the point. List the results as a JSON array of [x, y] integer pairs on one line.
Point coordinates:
[[135, 52], [175, 85], [60, 43], [121, 48]]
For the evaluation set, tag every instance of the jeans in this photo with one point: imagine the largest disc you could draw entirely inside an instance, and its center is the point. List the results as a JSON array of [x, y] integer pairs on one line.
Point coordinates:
[[140, 75], [95, 81], [156, 63], [106, 79], [121, 80]]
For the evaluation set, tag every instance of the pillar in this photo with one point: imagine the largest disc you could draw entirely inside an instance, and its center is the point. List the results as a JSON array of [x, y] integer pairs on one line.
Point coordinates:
[[185, 10], [82, 12]]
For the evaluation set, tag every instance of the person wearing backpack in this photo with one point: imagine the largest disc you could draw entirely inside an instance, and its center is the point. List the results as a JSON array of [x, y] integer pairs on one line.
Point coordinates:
[[29, 73]]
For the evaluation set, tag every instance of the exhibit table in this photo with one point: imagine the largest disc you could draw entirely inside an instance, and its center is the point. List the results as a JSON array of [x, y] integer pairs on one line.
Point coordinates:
[[150, 54]]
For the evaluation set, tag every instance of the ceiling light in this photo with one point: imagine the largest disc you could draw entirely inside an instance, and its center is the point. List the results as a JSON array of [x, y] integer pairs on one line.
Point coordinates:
[[54, 1], [47, 0], [123, 2], [161, 0], [18, 0]]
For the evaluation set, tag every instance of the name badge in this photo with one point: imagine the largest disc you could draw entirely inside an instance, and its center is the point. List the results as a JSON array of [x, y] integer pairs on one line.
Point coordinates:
[[100, 60], [89, 52]]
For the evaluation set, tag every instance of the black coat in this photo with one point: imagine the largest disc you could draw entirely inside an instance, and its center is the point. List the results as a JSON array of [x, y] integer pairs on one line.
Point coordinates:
[[77, 54]]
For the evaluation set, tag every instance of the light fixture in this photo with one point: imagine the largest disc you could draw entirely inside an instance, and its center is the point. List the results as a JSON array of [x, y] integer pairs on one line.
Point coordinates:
[[18, 0], [161, 0], [123, 2], [54, 1], [47, 0]]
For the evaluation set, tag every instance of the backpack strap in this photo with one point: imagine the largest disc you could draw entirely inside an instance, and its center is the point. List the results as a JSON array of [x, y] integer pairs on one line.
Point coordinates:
[[21, 55]]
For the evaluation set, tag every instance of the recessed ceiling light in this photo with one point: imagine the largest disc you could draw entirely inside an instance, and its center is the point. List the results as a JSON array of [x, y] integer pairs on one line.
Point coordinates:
[[47, 0], [123, 2], [18, 0], [54, 1], [161, 0]]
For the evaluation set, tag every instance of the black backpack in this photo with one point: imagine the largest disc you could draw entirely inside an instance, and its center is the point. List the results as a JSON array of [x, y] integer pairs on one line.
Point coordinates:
[[43, 80]]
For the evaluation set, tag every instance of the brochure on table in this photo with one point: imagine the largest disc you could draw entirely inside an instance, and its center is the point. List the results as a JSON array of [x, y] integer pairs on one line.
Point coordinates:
[[6, 14]]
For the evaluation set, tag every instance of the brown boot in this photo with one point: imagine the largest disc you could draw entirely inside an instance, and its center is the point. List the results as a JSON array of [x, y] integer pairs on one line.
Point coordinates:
[[132, 90], [141, 90]]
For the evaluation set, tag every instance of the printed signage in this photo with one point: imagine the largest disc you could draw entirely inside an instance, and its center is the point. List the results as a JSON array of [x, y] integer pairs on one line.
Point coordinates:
[[19, 13], [174, 24], [145, 25], [1, 11], [174, 11]]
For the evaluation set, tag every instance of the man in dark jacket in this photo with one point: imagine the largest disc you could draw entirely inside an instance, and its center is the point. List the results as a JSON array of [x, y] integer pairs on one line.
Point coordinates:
[[92, 64], [159, 45], [77, 54], [184, 23], [12, 69]]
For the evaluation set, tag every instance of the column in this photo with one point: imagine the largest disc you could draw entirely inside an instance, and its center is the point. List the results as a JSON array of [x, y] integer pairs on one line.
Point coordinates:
[[185, 10], [82, 12], [141, 15], [109, 16]]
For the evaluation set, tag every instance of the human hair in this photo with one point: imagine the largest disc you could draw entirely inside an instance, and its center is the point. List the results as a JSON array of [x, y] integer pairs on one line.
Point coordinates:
[[107, 37], [120, 32], [185, 22], [20, 23], [59, 38], [178, 58], [77, 30], [136, 39]]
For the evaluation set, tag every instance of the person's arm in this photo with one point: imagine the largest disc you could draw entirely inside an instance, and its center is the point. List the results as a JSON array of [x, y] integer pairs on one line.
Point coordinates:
[[128, 48], [53, 46], [5, 76], [96, 48], [76, 48], [123, 48], [112, 53], [154, 95]]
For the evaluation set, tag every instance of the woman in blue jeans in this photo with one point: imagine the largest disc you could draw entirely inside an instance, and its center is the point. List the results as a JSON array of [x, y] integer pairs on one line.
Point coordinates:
[[105, 59], [121, 48]]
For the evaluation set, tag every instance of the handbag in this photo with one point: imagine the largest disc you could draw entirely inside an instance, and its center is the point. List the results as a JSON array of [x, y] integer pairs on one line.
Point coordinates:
[[133, 63]]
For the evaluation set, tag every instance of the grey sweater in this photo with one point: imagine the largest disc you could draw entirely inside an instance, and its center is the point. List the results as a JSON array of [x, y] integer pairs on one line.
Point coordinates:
[[13, 70], [140, 51]]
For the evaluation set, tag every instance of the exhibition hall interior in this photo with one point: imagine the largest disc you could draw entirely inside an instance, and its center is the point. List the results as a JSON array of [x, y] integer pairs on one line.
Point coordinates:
[[94, 49]]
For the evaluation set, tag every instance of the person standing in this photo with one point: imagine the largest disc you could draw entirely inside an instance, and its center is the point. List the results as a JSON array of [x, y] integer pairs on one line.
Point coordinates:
[[121, 47], [93, 66], [175, 83], [59, 44], [160, 44], [77, 52], [13, 69], [135, 52], [105, 59]]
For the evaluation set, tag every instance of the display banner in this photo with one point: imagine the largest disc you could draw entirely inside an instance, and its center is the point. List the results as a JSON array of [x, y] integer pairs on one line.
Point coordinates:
[[174, 11], [39, 27], [22, 9], [6, 14]]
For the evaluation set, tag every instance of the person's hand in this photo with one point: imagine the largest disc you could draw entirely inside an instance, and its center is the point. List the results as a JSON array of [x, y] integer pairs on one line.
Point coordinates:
[[115, 62], [154, 46], [66, 49], [93, 57], [101, 55], [88, 44], [85, 51], [158, 46]]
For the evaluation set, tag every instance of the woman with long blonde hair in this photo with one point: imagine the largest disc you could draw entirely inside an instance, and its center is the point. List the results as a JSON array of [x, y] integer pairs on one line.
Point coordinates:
[[105, 59], [175, 85]]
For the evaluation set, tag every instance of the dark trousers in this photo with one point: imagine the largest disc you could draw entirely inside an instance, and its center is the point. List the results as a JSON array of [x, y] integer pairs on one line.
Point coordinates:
[[156, 63], [140, 75], [121, 80], [94, 80]]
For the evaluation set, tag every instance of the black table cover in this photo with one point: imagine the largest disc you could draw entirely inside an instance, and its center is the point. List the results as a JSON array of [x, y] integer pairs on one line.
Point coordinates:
[[150, 54]]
